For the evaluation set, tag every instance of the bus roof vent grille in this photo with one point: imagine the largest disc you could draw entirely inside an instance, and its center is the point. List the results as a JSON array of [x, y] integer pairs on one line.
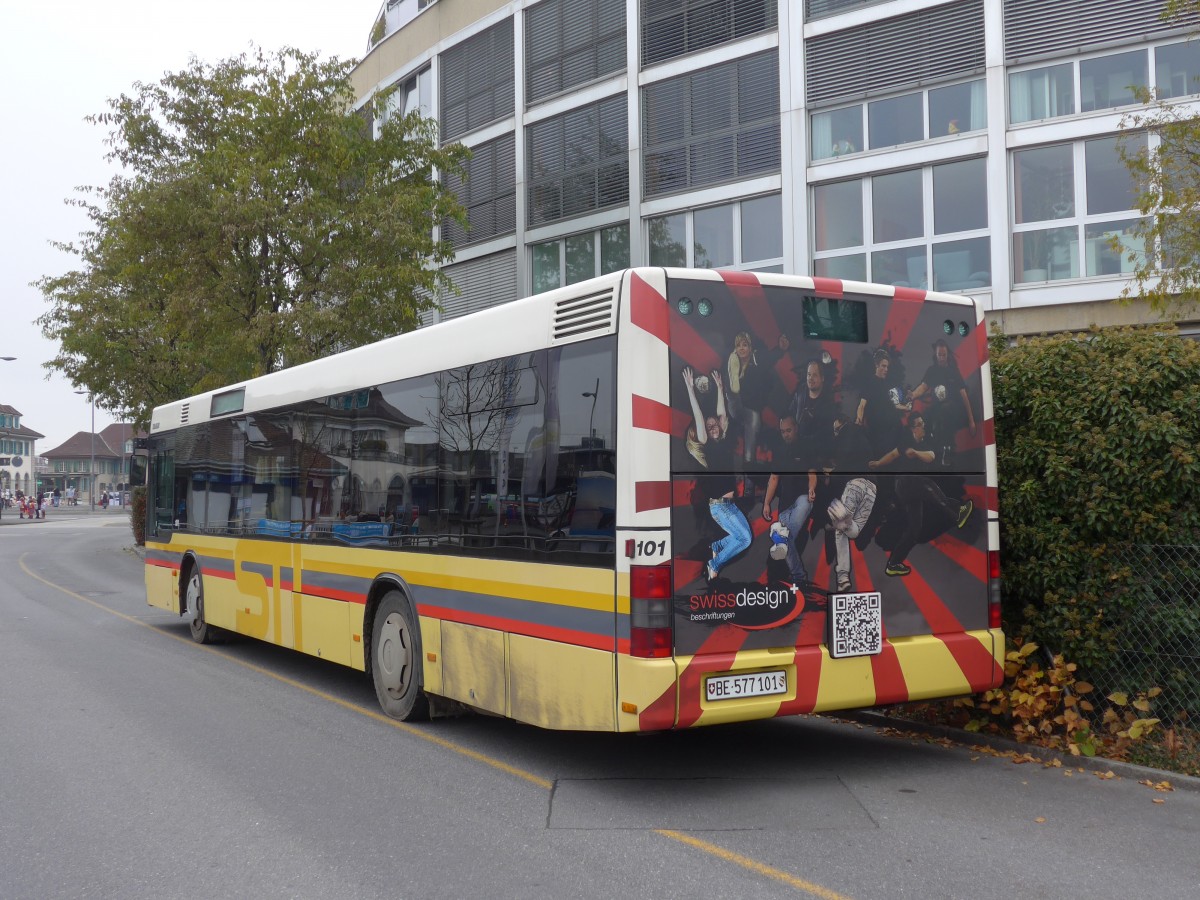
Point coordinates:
[[584, 315], [183, 413]]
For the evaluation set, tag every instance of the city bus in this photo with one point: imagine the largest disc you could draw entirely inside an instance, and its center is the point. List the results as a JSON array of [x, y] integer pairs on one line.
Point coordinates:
[[659, 499]]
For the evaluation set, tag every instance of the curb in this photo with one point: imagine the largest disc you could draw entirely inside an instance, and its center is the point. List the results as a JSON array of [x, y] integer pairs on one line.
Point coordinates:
[[1179, 782]]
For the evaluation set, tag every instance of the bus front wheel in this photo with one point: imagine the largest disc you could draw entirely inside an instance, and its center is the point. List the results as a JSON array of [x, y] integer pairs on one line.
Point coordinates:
[[202, 632], [396, 659]]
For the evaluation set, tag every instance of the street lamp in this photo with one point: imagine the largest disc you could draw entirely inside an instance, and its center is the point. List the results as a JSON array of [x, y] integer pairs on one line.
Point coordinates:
[[92, 463], [591, 418]]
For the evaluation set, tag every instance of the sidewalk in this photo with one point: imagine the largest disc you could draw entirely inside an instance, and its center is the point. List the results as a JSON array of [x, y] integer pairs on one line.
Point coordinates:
[[11, 516]]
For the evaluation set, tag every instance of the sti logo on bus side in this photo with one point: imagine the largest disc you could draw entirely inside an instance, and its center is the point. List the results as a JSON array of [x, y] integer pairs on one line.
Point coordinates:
[[754, 608]]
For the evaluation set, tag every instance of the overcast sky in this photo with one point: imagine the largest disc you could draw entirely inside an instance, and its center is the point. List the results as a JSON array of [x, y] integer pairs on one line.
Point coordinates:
[[60, 61]]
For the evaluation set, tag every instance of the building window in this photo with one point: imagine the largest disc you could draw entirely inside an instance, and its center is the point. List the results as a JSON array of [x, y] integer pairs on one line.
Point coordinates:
[[580, 257], [671, 28], [414, 93], [744, 235], [489, 193], [896, 120], [1105, 82], [477, 81], [579, 162], [923, 115], [1177, 69], [1071, 196], [712, 126], [572, 42], [894, 53], [816, 9], [922, 228], [1041, 93], [1109, 81]]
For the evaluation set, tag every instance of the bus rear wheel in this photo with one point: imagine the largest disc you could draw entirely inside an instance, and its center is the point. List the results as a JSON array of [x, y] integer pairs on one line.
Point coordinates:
[[396, 664], [202, 632]]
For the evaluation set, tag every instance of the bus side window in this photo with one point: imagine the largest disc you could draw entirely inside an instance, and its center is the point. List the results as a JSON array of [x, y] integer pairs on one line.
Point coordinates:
[[162, 485]]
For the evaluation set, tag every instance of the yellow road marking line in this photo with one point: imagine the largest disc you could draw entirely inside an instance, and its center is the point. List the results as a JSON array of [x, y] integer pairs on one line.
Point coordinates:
[[753, 865], [345, 704], [704, 846]]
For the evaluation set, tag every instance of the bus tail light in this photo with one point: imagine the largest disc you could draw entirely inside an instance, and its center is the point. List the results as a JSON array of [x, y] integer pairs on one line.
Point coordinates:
[[650, 633], [993, 589]]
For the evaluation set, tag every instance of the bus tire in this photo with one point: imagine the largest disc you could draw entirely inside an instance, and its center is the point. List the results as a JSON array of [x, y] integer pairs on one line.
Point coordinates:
[[396, 666], [202, 632]]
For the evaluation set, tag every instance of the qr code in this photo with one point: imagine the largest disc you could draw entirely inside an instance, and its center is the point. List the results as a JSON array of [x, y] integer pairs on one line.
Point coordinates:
[[855, 624]]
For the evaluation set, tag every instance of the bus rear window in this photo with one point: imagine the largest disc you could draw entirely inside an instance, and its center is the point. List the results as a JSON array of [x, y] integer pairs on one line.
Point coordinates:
[[829, 319]]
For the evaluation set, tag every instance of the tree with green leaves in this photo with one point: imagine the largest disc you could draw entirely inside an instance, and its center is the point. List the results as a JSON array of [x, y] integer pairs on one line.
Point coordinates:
[[1167, 178], [255, 223]]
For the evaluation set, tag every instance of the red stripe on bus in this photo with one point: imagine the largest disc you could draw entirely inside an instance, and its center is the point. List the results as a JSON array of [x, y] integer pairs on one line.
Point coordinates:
[[977, 664], [984, 497], [902, 317], [979, 343], [748, 291], [648, 309], [650, 495], [909, 293], [334, 594], [217, 573], [515, 626], [734, 278], [972, 559], [808, 682], [164, 563], [681, 491], [829, 287], [812, 626], [940, 619], [654, 416], [687, 570], [690, 346], [886, 673], [660, 714], [716, 654], [680, 423]]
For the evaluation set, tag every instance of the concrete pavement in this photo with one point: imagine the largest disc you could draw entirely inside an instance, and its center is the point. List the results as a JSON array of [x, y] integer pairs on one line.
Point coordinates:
[[11, 515]]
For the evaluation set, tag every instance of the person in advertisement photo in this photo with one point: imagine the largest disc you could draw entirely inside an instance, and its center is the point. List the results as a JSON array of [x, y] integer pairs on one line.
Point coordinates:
[[916, 492], [947, 406], [718, 448], [793, 481]]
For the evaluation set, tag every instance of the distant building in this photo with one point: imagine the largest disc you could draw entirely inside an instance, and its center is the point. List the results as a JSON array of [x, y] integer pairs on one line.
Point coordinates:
[[93, 464], [16, 452], [962, 145]]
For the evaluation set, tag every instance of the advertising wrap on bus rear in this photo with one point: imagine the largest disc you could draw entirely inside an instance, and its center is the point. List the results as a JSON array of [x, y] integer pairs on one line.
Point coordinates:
[[828, 468]]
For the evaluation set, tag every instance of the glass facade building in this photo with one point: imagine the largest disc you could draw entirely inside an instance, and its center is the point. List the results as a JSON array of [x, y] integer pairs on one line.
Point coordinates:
[[961, 145]]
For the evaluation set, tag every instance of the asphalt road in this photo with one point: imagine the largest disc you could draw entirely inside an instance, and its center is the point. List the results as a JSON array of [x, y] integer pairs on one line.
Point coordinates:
[[134, 763]]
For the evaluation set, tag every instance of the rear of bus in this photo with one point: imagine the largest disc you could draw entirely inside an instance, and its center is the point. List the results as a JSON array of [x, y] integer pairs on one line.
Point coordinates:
[[833, 541]]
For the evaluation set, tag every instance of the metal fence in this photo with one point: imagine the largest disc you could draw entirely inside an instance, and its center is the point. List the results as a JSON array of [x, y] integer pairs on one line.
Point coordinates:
[[1154, 617]]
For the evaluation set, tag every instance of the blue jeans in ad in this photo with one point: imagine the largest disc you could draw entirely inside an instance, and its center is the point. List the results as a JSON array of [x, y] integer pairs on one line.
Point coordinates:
[[737, 532], [794, 518]]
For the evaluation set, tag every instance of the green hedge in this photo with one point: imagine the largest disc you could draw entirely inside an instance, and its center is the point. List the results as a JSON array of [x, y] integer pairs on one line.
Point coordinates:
[[1097, 438]]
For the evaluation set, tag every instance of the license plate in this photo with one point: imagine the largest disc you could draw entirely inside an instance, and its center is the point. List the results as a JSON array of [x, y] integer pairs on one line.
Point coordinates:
[[756, 684]]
